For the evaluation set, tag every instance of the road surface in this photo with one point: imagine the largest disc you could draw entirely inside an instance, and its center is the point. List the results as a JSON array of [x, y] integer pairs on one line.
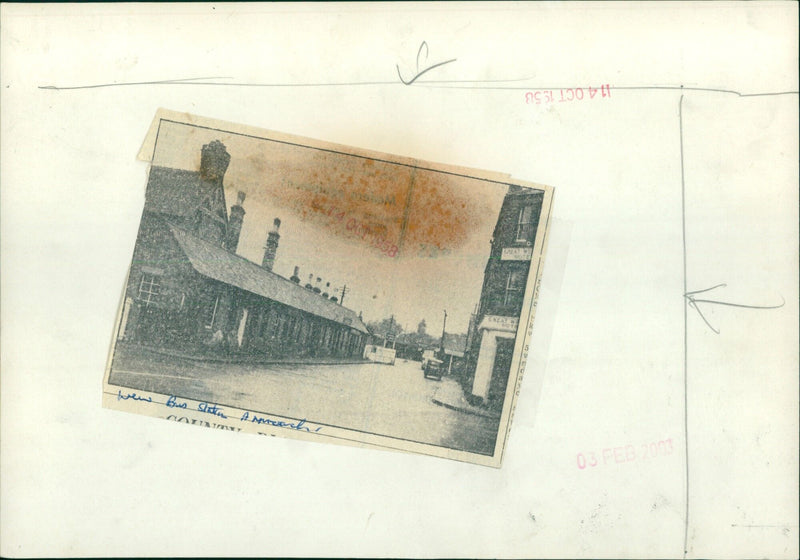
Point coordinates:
[[390, 400]]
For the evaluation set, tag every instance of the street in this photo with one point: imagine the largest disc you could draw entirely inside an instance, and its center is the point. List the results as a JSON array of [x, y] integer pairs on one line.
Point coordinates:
[[390, 400]]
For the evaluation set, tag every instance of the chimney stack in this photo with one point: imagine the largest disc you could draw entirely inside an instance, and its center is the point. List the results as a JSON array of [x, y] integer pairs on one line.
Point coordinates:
[[296, 276], [214, 160], [272, 245], [235, 223]]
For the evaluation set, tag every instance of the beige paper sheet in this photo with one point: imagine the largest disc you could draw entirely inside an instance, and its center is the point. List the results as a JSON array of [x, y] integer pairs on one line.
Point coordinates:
[[639, 430]]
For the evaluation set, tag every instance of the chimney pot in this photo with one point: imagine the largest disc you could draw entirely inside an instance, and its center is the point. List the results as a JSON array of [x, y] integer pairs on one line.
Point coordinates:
[[235, 220], [271, 248]]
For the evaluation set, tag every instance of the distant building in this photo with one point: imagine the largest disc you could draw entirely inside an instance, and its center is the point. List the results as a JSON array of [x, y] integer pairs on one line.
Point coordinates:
[[188, 289], [494, 326]]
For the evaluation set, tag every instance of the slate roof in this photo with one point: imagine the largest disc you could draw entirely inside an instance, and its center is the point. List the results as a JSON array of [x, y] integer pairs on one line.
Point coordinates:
[[455, 344], [223, 266], [173, 191]]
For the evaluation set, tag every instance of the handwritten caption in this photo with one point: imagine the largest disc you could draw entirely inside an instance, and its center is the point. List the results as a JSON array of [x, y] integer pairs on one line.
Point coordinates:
[[219, 412], [564, 95], [132, 397], [625, 454], [358, 229]]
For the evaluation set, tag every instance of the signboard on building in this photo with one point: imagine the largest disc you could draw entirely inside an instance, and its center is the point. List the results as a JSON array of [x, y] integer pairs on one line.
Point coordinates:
[[516, 254], [499, 323]]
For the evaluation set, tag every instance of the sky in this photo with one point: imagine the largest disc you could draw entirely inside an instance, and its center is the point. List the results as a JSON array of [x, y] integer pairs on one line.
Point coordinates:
[[341, 216]]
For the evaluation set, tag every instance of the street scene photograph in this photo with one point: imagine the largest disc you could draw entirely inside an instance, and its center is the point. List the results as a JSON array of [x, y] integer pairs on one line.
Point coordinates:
[[326, 286]]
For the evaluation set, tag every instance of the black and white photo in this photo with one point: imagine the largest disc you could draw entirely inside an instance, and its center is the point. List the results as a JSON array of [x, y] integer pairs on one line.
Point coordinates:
[[285, 286]]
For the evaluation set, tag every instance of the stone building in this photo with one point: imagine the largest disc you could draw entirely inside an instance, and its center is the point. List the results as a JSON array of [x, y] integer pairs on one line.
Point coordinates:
[[189, 291], [494, 326]]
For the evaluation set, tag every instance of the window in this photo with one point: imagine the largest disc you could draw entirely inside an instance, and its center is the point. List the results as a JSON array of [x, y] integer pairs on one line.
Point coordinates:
[[525, 223], [291, 329], [149, 288], [515, 286], [211, 313], [266, 322], [306, 331]]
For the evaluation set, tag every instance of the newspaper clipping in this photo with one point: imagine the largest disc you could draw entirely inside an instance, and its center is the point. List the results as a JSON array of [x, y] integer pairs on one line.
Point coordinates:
[[292, 287]]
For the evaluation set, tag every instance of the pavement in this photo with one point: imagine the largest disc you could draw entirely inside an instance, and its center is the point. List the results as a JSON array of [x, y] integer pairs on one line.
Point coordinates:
[[237, 359], [450, 395]]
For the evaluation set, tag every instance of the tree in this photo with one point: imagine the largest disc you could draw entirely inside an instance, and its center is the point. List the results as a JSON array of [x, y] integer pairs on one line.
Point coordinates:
[[385, 326], [420, 338]]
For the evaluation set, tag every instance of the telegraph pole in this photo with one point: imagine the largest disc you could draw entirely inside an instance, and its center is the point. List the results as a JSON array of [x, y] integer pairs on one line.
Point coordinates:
[[444, 325], [344, 291]]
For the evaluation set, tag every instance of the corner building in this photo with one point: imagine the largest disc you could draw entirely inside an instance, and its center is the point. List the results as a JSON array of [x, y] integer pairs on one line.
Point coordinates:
[[494, 328]]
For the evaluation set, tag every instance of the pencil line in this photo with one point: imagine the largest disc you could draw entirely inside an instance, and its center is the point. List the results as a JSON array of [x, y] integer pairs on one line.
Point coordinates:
[[685, 337], [632, 88], [192, 82], [451, 84], [729, 304]]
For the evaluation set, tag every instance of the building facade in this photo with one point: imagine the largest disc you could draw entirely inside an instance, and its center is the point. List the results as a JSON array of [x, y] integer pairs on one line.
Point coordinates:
[[189, 291], [490, 340]]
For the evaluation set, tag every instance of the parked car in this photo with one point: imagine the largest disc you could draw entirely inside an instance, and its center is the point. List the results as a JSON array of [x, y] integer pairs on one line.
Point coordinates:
[[427, 355], [434, 368]]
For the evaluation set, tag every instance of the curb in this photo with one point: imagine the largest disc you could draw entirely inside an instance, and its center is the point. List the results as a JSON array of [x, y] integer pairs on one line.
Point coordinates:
[[465, 410], [245, 361]]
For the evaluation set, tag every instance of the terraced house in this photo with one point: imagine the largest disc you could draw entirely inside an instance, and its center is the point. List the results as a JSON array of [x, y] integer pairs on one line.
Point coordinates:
[[189, 291]]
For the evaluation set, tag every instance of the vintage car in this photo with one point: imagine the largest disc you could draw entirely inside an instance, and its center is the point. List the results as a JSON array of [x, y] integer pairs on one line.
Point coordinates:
[[427, 355], [434, 368]]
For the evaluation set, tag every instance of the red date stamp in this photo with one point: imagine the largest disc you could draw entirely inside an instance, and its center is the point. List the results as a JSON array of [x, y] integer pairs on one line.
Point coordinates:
[[625, 454], [570, 94]]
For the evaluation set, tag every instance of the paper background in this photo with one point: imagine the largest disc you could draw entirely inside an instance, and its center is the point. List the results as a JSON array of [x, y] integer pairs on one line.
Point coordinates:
[[81, 480]]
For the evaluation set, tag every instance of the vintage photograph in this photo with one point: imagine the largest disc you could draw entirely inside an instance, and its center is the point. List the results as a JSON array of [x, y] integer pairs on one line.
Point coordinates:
[[288, 286]]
